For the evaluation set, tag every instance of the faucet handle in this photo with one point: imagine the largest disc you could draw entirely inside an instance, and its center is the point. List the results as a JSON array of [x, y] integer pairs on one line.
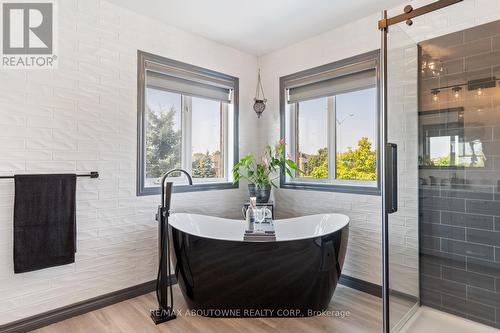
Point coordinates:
[[158, 214], [162, 212]]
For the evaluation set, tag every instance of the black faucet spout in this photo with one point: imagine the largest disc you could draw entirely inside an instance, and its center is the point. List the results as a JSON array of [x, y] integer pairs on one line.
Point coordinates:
[[167, 187], [166, 175]]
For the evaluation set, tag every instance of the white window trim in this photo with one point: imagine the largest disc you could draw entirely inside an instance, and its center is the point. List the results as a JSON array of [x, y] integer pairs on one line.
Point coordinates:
[[186, 134], [332, 139]]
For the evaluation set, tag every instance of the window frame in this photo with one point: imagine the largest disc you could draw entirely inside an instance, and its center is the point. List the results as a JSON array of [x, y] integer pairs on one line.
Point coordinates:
[[342, 186], [141, 189]]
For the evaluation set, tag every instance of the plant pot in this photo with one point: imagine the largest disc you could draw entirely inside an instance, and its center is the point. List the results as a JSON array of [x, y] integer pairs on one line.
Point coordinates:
[[263, 194], [251, 190]]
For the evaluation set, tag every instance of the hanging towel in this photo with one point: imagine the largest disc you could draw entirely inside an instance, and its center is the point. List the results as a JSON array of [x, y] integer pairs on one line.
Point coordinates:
[[44, 221]]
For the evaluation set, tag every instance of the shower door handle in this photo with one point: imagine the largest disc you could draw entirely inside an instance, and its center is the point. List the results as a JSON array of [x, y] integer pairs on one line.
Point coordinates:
[[391, 178]]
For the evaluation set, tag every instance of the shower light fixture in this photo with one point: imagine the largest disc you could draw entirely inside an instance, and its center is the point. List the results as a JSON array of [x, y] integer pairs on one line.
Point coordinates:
[[432, 67], [476, 86], [435, 93], [456, 91]]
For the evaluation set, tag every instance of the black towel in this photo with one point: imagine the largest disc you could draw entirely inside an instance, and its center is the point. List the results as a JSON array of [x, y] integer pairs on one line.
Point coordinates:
[[44, 221]]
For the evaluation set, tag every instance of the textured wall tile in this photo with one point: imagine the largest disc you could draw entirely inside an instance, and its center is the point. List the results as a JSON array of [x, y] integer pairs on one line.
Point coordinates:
[[450, 204], [445, 286], [442, 258], [467, 248], [483, 296], [485, 193], [467, 49], [467, 220], [440, 230], [482, 61], [483, 237], [429, 242], [430, 216], [469, 278], [431, 269], [483, 207], [474, 308], [483, 31], [483, 267]]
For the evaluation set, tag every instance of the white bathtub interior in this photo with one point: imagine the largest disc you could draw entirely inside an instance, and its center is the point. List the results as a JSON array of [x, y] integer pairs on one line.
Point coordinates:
[[296, 228]]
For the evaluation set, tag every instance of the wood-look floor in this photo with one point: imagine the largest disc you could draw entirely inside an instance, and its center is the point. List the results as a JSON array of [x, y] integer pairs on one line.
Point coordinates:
[[132, 316]]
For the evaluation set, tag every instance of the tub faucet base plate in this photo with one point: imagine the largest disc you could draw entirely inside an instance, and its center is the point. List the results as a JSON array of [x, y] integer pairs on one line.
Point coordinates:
[[162, 315]]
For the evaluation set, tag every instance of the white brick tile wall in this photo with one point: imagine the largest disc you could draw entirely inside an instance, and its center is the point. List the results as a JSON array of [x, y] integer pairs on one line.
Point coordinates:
[[82, 117]]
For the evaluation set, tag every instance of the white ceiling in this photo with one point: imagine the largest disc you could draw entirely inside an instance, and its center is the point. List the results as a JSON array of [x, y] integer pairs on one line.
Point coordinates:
[[257, 26]]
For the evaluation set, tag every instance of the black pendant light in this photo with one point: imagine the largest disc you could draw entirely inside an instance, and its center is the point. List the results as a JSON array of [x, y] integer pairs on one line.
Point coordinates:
[[259, 101]]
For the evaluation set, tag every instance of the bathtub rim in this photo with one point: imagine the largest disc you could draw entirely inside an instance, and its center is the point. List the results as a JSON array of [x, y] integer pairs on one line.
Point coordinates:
[[343, 224]]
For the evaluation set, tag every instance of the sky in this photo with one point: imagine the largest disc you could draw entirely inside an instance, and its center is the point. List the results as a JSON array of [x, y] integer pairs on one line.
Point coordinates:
[[206, 125], [205, 118], [356, 113]]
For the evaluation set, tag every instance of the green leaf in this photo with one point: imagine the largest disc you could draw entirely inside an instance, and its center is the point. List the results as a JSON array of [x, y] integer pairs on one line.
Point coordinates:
[[291, 164]]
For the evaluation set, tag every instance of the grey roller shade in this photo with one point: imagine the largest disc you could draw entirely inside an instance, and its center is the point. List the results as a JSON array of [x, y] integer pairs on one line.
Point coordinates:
[[329, 83], [187, 83]]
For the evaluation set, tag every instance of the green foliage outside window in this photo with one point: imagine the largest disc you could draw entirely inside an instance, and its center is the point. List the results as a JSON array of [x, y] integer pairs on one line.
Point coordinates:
[[203, 166], [163, 148], [354, 164], [163, 143]]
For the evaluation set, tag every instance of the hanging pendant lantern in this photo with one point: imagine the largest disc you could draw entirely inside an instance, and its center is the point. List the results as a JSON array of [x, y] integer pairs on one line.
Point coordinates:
[[259, 101]]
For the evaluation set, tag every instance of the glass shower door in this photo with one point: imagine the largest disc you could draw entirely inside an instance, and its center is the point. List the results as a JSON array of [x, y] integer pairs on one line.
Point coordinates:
[[401, 173]]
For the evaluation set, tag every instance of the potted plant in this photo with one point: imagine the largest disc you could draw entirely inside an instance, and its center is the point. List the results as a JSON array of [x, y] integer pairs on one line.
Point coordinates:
[[261, 175]]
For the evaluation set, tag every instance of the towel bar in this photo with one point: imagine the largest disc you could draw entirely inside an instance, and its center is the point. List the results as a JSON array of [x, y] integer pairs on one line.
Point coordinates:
[[93, 174]]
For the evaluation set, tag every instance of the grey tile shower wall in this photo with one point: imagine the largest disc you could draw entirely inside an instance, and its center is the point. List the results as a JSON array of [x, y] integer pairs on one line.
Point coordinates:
[[460, 207]]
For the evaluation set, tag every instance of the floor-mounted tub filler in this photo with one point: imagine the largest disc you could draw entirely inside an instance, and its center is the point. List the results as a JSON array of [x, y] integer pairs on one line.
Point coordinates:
[[220, 275]]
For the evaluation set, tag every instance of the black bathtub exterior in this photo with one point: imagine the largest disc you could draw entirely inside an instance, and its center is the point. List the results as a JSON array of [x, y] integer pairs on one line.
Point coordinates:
[[221, 278]]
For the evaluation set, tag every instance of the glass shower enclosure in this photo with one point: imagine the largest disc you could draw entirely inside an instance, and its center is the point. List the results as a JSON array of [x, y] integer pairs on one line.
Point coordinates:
[[401, 177], [441, 134]]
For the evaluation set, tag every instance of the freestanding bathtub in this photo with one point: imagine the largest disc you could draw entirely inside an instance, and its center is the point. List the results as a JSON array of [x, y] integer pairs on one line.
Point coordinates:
[[221, 275]]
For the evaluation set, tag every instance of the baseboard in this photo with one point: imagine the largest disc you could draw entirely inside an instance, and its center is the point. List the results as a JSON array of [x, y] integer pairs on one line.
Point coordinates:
[[76, 309], [361, 285], [405, 296]]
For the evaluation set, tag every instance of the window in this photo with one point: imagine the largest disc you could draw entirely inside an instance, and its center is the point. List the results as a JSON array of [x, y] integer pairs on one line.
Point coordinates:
[[330, 119], [187, 119]]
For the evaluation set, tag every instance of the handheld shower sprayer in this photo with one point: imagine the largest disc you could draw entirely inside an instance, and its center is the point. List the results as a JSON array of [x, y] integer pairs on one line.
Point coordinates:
[[164, 293]]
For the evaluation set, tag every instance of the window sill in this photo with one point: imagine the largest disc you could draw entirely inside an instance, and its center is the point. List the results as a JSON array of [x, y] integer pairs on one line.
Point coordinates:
[[366, 190], [184, 188]]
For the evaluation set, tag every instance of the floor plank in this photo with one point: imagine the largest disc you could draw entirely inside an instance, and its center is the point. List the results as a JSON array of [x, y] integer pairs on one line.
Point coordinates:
[[132, 316]]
